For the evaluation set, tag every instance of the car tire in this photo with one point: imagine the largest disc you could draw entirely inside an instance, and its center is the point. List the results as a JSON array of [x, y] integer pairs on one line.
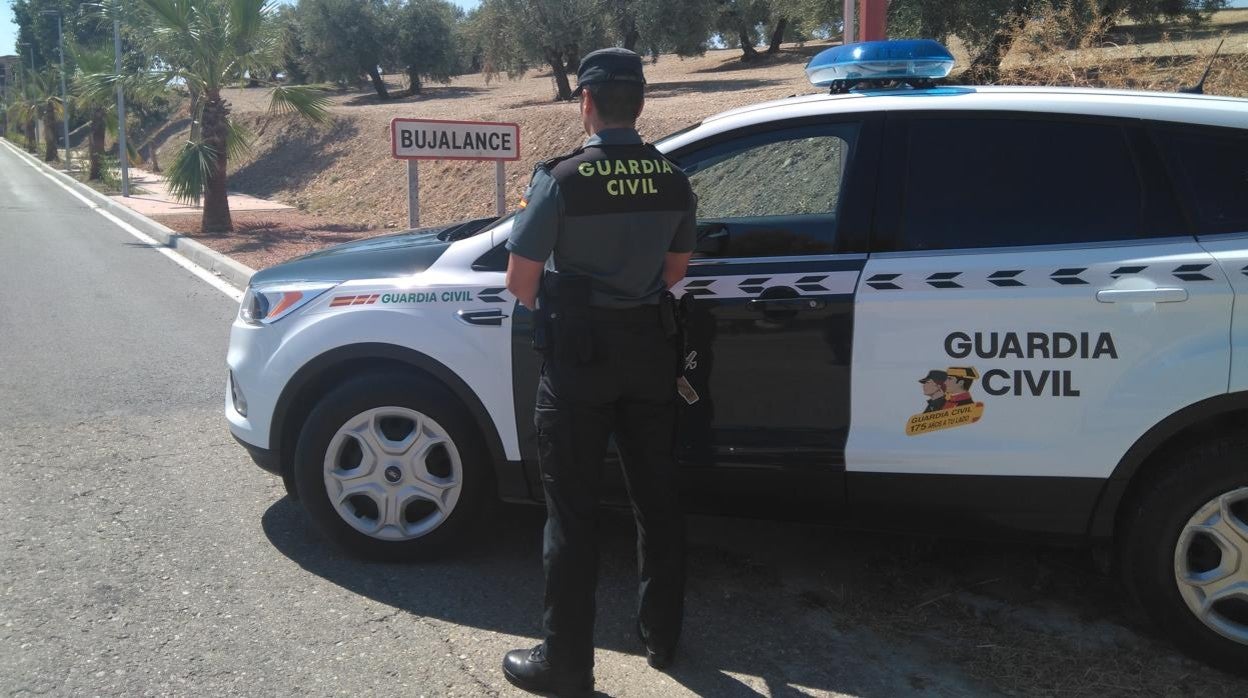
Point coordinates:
[[392, 468], [1186, 538]]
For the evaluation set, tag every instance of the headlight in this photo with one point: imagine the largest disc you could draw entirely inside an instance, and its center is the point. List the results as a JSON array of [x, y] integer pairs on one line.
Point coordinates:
[[264, 305]]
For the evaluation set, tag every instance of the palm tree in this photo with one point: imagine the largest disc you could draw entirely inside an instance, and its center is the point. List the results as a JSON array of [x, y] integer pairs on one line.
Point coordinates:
[[49, 109], [95, 94], [94, 98], [25, 111], [208, 45]]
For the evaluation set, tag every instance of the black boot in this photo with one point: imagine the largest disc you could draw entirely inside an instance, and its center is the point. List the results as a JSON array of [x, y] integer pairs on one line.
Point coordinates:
[[658, 656], [532, 671]]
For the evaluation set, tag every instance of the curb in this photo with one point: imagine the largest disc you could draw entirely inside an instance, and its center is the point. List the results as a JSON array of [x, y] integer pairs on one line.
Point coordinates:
[[232, 271]]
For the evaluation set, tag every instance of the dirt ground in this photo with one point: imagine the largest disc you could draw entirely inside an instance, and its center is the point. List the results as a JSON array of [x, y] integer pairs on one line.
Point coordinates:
[[343, 180], [262, 239]]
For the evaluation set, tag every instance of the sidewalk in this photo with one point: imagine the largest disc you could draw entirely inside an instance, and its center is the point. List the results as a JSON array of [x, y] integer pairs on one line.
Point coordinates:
[[157, 201]]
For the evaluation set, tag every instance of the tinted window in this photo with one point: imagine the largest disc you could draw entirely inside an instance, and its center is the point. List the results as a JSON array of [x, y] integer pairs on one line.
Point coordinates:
[[1213, 169], [772, 194], [974, 182]]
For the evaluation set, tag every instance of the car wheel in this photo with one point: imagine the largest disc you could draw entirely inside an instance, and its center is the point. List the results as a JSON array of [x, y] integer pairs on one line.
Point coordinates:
[[1185, 554], [390, 467]]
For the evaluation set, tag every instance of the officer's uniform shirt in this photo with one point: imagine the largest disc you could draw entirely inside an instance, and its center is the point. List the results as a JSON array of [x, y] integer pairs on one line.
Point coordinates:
[[610, 210]]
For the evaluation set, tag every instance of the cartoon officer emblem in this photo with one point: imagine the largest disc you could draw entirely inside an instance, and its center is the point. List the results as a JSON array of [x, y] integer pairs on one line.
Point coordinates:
[[949, 401]]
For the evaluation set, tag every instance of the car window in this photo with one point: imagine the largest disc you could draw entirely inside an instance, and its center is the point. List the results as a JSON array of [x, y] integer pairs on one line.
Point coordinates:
[[1213, 169], [776, 193], [992, 182]]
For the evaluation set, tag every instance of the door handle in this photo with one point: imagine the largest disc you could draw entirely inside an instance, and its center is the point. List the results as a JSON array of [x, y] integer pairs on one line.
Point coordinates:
[[1142, 295], [771, 305]]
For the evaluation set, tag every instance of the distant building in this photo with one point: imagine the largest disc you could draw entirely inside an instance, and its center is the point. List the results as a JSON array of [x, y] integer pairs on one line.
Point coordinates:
[[8, 74]]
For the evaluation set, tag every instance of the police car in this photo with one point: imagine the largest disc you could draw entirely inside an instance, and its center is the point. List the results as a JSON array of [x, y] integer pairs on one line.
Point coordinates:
[[967, 310]]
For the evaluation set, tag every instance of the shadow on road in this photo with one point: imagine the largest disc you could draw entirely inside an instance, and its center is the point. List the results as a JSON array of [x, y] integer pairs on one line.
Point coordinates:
[[782, 608]]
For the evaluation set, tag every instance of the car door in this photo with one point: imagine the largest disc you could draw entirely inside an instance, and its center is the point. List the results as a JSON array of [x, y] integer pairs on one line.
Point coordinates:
[[782, 216], [1036, 303]]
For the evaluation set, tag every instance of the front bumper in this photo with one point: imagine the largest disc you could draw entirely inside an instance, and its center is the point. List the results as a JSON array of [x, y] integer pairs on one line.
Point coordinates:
[[267, 459]]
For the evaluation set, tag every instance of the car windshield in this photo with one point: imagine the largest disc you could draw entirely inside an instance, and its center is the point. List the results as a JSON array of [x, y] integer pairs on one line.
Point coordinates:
[[468, 229]]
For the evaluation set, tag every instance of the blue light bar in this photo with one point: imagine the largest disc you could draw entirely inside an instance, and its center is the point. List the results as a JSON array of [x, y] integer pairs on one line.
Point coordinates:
[[902, 60]]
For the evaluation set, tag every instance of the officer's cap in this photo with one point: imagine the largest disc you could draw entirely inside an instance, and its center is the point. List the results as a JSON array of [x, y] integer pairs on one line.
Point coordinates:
[[963, 372], [938, 376], [608, 65]]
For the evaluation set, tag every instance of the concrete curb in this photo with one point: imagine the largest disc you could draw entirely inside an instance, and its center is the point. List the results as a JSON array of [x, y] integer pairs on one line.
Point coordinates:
[[232, 271]]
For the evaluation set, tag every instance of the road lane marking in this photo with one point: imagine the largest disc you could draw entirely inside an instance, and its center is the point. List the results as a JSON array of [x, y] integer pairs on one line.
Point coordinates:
[[205, 275]]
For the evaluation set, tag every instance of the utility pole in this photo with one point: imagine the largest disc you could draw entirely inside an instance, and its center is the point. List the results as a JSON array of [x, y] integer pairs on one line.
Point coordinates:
[[850, 35], [30, 47], [65, 100], [122, 155]]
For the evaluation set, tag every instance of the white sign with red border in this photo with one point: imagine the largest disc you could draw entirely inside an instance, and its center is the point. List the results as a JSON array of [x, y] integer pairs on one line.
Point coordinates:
[[436, 139]]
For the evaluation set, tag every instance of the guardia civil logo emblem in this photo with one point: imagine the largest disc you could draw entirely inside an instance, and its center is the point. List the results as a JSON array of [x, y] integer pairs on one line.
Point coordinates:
[[950, 403]]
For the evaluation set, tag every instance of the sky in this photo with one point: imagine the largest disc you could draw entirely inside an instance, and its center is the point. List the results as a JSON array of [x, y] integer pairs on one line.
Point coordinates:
[[8, 30]]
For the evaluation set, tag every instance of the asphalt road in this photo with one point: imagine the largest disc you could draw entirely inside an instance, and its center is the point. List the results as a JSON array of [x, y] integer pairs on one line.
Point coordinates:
[[141, 553]]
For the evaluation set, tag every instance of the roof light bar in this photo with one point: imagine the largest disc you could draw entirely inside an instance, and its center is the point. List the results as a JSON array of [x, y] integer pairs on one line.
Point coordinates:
[[915, 62]]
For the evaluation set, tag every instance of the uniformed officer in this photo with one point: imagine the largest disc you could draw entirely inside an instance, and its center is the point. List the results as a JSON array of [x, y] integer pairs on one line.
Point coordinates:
[[604, 231]]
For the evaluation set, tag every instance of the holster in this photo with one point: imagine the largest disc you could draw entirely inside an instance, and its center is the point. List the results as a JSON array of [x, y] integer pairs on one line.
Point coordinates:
[[563, 319]]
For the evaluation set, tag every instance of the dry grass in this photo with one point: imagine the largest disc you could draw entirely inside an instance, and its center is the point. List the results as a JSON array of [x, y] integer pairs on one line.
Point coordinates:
[[1052, 51], [343, 173]]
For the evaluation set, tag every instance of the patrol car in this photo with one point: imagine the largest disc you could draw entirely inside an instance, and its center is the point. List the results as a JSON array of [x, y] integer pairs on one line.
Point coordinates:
[[967, 310]]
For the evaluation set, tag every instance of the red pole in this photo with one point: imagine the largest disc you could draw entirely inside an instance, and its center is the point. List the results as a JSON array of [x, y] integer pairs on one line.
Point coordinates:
[[873, 16]]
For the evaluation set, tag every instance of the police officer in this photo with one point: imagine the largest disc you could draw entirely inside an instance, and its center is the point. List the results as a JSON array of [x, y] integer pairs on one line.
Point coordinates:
[[603, 233]]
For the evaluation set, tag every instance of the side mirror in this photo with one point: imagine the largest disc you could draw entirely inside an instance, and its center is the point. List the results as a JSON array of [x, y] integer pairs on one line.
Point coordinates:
[[712, 239]]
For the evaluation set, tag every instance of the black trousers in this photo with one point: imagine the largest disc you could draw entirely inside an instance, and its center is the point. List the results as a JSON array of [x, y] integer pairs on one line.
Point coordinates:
[[627, 389]]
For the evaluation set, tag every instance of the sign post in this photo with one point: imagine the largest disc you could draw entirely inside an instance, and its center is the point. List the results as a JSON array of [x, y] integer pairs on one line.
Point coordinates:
[[434, 139], [413, 194]]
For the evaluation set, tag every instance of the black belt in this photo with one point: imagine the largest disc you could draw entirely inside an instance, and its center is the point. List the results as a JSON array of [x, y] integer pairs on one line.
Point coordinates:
[[637, 313]]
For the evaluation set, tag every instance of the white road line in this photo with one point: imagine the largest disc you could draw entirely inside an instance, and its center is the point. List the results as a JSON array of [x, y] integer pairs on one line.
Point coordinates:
[[207, 276]]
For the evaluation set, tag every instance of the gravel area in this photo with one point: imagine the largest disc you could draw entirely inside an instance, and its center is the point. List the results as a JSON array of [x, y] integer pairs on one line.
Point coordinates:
[[266, 238]]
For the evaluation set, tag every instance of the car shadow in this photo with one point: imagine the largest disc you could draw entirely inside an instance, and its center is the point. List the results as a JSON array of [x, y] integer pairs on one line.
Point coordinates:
[[496, 584], [783, 609]]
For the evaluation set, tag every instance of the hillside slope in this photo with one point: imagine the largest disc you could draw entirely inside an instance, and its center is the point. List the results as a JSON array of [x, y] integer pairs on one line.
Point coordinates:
[[343, 174]]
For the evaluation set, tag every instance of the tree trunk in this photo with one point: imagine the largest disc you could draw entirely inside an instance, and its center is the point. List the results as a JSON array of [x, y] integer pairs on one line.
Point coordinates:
[[1109, 13], [196, 118], [777, 37], [49, 136], [630, 39], [96, 143], [747, 45], [986, 66], [559, 72], [31, 137], [378, 84], [572, 58], [413, 79], [216, 217]]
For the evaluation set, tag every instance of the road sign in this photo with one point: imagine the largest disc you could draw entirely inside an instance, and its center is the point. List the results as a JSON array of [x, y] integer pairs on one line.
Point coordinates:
[[433, 139], [436, 139]]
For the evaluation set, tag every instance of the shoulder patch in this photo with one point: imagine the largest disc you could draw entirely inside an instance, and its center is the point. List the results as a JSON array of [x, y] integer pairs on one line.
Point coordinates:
[[550, 164]]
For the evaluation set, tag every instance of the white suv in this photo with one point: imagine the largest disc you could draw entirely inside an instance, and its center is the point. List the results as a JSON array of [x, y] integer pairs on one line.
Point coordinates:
[[976, 311]]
